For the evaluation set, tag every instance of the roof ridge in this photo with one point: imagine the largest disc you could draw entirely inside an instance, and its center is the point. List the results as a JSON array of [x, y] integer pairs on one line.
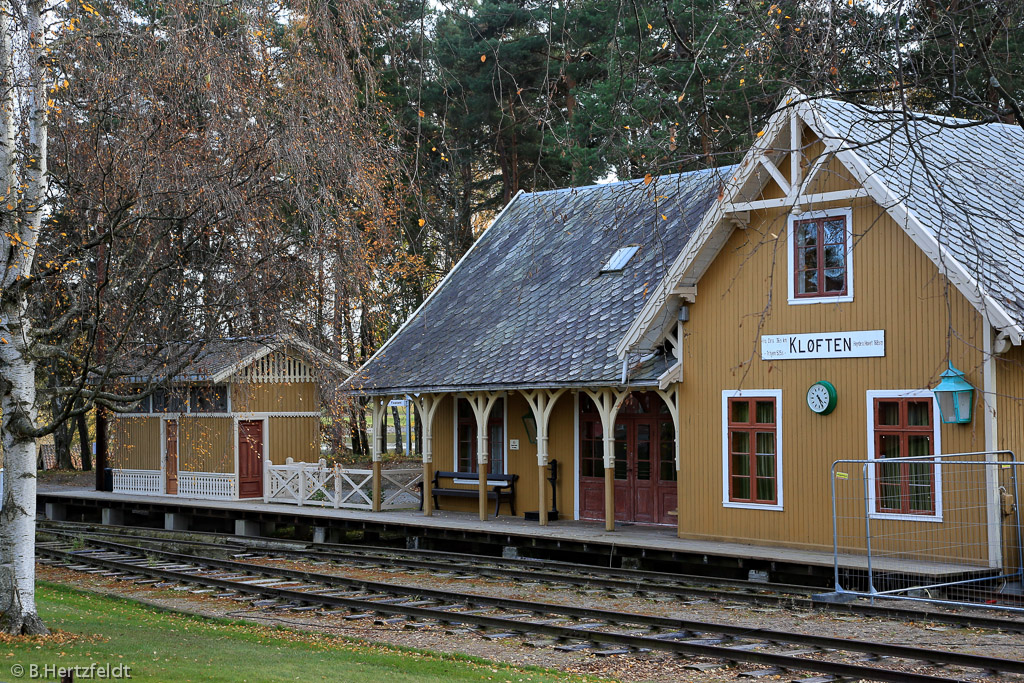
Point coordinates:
[[592, 186]]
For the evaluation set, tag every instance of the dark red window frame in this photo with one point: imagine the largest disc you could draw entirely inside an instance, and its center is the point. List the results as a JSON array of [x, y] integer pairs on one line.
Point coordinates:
[[909, 471], [748, 431], [819, 250], [465, 456]]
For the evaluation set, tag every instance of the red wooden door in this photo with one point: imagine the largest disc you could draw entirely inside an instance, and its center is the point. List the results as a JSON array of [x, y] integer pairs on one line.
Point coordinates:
[[644, 482], [171, 457], [250, 458]]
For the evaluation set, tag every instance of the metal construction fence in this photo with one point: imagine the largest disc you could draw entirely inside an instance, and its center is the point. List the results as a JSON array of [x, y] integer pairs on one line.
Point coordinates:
[[931, 528]]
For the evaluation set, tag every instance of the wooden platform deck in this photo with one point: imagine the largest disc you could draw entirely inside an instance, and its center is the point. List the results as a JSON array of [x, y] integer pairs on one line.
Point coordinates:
[[584, 534]]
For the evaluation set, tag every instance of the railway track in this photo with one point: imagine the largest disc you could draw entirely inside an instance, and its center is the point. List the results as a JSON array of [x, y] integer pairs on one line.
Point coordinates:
[[608, 632], [544, 572]]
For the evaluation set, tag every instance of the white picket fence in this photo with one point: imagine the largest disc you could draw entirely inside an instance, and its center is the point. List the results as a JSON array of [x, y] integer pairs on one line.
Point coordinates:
[[314, 483], [211, 485], [137, 481], [214, 485]]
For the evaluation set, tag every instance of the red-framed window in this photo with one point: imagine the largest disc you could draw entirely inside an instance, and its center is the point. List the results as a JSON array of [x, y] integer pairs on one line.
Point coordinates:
[[753, 451], [466, 460], [820, 266], [904, 428]]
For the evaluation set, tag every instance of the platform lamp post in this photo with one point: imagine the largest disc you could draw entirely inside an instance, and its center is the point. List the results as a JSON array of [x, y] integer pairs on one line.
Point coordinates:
[[955, 396]]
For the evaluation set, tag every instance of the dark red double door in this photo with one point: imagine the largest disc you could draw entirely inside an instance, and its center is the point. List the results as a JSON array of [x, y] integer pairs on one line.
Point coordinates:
[[645, 473]]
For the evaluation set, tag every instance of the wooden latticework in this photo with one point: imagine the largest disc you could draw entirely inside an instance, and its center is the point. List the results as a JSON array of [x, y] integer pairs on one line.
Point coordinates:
[[277, 367]]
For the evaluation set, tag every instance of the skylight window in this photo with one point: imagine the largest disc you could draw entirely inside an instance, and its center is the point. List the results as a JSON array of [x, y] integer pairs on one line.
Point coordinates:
[[620, 258]]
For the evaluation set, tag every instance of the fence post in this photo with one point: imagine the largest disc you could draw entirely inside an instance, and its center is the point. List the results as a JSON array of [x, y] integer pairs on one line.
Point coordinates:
[[266, 480], [867, 527], [337, 485], [302, 483]]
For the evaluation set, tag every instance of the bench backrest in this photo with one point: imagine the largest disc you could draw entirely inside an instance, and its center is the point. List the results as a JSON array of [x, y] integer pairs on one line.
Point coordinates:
[[474, 475]]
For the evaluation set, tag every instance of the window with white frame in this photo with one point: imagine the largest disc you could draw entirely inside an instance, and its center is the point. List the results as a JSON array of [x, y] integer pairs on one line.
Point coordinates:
[[902, 431], [820, 265], [752, 449]]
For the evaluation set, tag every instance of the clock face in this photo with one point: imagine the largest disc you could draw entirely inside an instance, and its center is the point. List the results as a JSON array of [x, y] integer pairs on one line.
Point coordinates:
[[821, 398]]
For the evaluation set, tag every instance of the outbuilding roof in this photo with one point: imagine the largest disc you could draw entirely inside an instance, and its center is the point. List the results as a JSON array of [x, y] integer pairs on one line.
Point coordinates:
[[529, 305], [216, 360]]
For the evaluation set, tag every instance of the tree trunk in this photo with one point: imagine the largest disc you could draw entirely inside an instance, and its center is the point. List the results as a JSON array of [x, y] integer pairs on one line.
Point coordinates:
[[396, 417], [83, 442], [17, 370]]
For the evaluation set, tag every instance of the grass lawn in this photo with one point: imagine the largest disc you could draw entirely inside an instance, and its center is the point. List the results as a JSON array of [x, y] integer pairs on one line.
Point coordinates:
[[164, 646]]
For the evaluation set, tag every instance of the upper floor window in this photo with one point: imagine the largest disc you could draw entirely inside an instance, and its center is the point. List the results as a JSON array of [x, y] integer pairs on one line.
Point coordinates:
[[820, 268]]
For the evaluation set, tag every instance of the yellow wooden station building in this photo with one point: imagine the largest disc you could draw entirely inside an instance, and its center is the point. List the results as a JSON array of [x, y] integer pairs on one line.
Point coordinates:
[[817, 348]]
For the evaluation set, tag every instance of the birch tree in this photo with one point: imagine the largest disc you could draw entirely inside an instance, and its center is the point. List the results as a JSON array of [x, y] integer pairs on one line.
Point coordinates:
[[202, 156], [24, 30]]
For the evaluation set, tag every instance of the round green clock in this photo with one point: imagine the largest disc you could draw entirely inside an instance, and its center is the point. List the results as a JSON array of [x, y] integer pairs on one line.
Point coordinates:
[[821, 397]]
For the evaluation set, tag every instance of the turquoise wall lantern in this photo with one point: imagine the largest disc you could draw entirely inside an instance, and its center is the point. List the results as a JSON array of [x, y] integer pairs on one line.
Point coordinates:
[[955, 396]]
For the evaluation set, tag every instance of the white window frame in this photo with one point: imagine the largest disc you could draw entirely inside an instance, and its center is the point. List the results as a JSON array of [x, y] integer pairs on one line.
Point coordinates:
[[794, 300], [752, 393], [936, 441]]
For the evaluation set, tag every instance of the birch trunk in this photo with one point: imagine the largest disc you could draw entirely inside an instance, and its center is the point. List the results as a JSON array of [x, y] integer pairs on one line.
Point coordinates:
[[21, 222]]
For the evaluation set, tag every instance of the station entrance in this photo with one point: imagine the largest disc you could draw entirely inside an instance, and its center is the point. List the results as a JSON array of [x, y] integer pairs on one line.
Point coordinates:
[[645, 469]]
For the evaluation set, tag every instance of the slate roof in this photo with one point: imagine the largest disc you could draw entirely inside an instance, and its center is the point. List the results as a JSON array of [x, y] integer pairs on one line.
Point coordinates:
[[528, 307], [963, 181], [213, 360]]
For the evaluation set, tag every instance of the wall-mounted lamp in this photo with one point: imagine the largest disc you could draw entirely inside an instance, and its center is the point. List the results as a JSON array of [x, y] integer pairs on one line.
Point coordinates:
[[955, 396]]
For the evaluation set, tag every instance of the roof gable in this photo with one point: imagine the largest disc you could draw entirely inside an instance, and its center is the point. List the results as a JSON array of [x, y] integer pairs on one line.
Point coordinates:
[[528, 304], [965, 221]]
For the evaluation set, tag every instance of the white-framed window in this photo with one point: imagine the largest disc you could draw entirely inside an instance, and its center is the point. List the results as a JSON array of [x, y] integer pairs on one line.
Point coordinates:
[[904, 424], [466, 437], [752, 449], [820, 248]]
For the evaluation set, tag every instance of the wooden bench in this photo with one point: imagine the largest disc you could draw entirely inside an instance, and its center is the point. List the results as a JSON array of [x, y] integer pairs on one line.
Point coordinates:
[[499, 487]]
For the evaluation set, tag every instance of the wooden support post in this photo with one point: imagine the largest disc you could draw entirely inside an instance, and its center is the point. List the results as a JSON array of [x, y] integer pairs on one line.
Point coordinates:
[[609, 499], [671, 399], [426, 408], [380, 434], [482, 402], [376, 485], [542, 494], [542, 402], [482, 479], [608, 402]]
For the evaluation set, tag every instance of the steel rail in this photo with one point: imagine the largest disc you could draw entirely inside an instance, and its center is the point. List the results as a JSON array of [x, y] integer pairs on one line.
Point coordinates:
[[649, 583], [576, 633], [461, 559]]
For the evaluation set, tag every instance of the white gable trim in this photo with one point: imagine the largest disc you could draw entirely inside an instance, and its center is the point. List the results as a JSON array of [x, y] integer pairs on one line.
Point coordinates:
[[711, 234], [708, 228]]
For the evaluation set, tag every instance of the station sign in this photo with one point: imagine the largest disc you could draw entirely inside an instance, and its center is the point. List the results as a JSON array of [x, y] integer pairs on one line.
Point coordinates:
[[857, 344]]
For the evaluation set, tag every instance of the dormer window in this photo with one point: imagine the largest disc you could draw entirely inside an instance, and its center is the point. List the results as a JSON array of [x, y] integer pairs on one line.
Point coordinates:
[[620, 258], [819, 251]]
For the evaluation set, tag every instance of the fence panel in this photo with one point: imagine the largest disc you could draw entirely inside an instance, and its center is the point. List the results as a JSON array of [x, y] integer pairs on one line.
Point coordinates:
[[924, 528], [314, 483]]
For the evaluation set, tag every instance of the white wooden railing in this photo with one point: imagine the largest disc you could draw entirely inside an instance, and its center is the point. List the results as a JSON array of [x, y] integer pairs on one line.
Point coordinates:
[[137, 481], [314, 483], [216, 485]]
